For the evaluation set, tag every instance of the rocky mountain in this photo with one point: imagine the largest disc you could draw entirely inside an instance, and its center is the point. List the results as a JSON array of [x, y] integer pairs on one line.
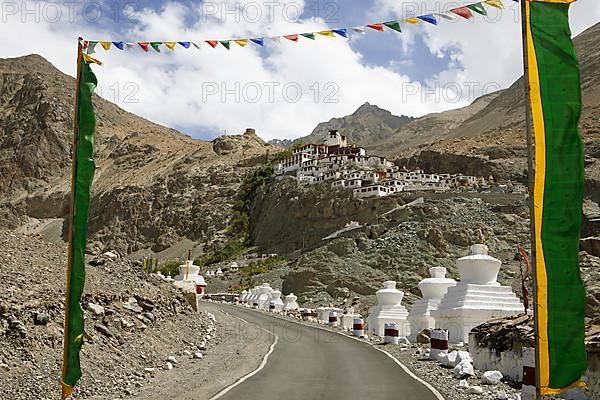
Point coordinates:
[[493, 137], [154, 188], [368, 125]]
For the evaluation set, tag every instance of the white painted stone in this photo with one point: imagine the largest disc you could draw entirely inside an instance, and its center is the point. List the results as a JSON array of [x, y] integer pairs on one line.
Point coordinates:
[[168, 366], [463, 369], [491, 377], [388, 309], [290, 302], [477, 298], [172, 359], [463, 384], [452, 359], [433, 290], [198, 356]]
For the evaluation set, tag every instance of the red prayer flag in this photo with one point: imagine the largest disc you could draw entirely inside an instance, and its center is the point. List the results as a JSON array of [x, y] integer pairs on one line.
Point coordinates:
[[213, 43], [293, 38], [463, 12], [144, 45], [377, 27]]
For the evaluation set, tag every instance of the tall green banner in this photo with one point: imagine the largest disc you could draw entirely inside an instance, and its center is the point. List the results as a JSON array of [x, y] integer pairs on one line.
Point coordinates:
[[555, 92], [81, 186]]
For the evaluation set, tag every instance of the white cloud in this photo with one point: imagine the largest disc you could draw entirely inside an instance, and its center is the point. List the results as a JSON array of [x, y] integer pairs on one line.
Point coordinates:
[[171, 85]]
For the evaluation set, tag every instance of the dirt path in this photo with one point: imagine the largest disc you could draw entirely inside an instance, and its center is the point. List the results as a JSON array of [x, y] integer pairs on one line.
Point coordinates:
[[240, 350]]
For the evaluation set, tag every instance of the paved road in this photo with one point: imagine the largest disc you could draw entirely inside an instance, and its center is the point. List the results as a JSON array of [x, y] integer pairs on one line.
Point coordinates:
[[310, 364]]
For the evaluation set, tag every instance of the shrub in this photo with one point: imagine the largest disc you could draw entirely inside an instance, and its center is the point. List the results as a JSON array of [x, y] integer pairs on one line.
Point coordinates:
[[170, 268], [261, 266], [230, 250]]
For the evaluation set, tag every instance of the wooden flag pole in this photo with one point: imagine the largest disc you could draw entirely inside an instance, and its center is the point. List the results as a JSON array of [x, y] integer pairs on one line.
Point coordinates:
[[531, 179], [72, 207]]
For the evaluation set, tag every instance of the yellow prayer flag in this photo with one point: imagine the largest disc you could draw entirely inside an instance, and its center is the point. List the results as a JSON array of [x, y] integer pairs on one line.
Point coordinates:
[[494, 3], [90, 59], [106, 45], [241, 42], [326, 33], [413, 21], [170, 45]]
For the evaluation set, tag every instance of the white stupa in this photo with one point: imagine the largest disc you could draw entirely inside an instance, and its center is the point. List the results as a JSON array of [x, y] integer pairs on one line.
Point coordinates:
[[290, 302], [433, 289], [189, 279], [253, 297], [219, 272], [264, 296], [276, 304], [234, 267], [477, 298], [244, 296], [388, 309]]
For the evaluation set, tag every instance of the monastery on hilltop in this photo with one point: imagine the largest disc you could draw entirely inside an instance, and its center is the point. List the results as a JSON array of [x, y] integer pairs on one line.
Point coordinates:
[[348, 166]]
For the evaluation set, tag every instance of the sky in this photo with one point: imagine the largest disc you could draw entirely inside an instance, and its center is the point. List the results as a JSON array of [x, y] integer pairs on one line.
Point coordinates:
[[284, 89]]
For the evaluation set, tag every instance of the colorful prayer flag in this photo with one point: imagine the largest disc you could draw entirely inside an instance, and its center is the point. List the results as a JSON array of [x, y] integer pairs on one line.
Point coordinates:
[[185, 45], [213, 43], [413, 21], [495, 3], [341, 32], [478, 8], [171, 45], [462, 12], [83, 175], [428, 18], [308, 35], [395, 25], [555, 98], [242, 42], [225, 43], [106, 45], [144, 45], [156, 46], [293, 38], [91, 47], [119, 45], [377, 27], [326, 33], [258, 41]]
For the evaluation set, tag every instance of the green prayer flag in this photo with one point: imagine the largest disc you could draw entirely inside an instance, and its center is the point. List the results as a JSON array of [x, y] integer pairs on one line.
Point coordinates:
[[308, 35], [395, 25], [478, 8], [83, 175], [156, 45], [555, 95], [225, 44]]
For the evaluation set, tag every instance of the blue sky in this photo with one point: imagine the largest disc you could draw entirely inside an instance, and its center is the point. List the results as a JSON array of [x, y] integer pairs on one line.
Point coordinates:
[[424, 69]]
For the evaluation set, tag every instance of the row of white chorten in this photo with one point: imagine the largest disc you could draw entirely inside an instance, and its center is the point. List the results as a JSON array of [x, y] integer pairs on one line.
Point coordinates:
[[454, 306], [446, 304], [264, 297]]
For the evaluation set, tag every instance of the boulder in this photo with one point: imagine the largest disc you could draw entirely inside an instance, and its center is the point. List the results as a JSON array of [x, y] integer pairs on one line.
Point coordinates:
[[491, 377], [476, 390], [463, 369]]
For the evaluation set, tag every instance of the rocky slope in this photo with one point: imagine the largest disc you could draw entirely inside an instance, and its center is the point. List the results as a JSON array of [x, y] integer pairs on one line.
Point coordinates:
[[154, 187], [368, 125], [494, 136]]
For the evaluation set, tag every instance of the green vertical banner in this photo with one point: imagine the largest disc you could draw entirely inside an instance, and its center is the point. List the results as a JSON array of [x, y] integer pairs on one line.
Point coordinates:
[[82, 177], [555, 94]]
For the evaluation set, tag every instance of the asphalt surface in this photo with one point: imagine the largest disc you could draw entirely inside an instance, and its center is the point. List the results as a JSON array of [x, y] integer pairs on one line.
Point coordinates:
[[311, 364]]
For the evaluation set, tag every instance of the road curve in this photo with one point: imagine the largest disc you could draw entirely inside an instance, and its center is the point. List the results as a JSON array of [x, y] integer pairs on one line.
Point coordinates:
[[308, 363]]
